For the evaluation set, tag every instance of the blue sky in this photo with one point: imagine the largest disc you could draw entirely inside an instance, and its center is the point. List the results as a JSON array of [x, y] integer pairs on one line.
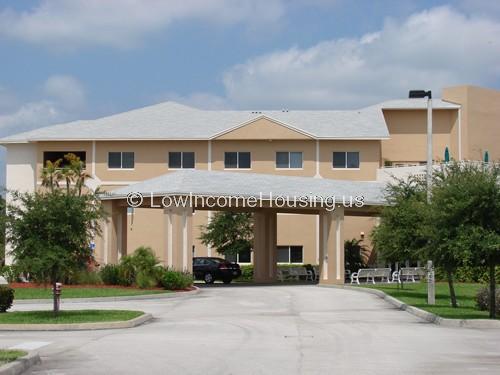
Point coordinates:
[[64, 60]]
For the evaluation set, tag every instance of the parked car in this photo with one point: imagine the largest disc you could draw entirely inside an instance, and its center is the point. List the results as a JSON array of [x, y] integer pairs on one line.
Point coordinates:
[[210, 269]]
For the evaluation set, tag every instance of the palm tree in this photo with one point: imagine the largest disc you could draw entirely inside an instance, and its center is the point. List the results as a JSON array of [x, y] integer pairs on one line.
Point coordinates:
[[76, 172], [51, 174]]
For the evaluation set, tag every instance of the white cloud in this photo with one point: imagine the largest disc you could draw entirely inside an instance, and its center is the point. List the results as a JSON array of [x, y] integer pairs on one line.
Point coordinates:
[[201, 100], [67, 90], [430, 49], [123, 23], [62, 99]]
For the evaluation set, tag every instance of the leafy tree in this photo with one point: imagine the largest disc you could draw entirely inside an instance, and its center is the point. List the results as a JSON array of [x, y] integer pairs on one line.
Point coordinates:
[[465, 214], [50, 230], [401, 234], [229, 232]]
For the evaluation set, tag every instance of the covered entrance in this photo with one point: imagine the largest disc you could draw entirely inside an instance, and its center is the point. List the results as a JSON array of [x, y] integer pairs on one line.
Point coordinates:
[[180, 194]]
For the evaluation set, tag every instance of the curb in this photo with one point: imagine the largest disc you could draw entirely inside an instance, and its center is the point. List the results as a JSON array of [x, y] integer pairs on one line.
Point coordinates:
[[78, 326], [21, 364], [110, 299], [425, 315]]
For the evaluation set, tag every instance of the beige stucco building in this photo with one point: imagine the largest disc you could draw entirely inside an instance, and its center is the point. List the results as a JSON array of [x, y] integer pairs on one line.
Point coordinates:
[[368, 144]]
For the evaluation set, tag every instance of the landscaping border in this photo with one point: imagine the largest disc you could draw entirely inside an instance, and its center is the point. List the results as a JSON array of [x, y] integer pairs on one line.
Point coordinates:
[[21, 364], [179, 294], [78, 326], [422, 314]]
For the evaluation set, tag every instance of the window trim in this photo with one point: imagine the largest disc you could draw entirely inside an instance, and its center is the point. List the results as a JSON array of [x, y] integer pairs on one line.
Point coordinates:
[[237, 161], [182, 160], [346, 168], [288, 168], [121, 162]]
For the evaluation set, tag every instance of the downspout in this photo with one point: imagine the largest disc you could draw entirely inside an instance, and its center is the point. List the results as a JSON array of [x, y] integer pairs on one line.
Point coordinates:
[[460, 134], [209, 167]]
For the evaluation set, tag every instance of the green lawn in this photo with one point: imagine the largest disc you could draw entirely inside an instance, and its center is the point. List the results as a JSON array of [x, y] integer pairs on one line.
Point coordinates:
[[67, 316], [415, 294], [7, 356], [46, 293]]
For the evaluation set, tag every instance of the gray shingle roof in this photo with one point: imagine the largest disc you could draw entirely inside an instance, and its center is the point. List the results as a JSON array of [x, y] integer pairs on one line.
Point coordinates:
[[171, 120], [218, 183]]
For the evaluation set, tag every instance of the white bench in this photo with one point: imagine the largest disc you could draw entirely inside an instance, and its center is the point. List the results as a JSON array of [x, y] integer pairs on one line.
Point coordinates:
[[409, 274], [295, 273], [298, 272], [282, 274], [370, 274]]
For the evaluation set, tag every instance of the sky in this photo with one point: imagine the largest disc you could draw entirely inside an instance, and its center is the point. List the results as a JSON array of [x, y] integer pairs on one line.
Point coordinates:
[[81, 59]]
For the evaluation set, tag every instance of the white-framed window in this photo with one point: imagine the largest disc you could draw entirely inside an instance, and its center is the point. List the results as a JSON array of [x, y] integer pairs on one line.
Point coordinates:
[[345, 160], [237, 160], [290, 254], [181, 160], [121, 160], [288, 160], [241, 257]]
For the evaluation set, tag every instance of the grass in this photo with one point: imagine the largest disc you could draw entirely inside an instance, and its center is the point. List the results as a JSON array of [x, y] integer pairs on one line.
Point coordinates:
[[46, 293], [7, 356], [415, 294], [67, 316]]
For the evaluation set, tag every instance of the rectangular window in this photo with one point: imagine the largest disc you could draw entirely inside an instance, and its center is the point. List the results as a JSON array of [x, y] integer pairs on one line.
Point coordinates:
[[290, 254], [288, 160], [178, 160], [342, 159], [121, 160], [283, 254], [53, 156], [296, 254], [242, 257], [237, 160]]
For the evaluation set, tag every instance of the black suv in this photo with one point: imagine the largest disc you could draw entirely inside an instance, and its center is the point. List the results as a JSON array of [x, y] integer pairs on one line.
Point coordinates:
[[210, 269]]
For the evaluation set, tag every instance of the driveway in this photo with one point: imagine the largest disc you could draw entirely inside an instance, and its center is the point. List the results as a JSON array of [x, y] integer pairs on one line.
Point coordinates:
[[265, 330]]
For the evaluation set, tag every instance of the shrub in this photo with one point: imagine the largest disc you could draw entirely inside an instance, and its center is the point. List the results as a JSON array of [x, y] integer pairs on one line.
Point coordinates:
[[144, 259], [145, 281], [246, 273], [468, 274], [173, 280], [85, 278], [6, 298], [483, 299], [11, 273], [126, 271], [110, 274]]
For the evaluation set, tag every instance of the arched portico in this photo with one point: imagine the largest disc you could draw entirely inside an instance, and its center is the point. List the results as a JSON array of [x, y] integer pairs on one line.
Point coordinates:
[[180, 194]]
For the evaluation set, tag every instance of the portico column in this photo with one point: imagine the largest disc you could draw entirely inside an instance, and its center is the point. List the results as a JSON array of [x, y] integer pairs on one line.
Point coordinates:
[[114, 233], [179, 225], [264, 248], [331, 247]]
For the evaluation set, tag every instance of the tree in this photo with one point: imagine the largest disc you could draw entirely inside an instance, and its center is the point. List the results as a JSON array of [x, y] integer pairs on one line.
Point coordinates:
[[402, 233], [465, 213], [355, 253], [229, 232], [50, 230]]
